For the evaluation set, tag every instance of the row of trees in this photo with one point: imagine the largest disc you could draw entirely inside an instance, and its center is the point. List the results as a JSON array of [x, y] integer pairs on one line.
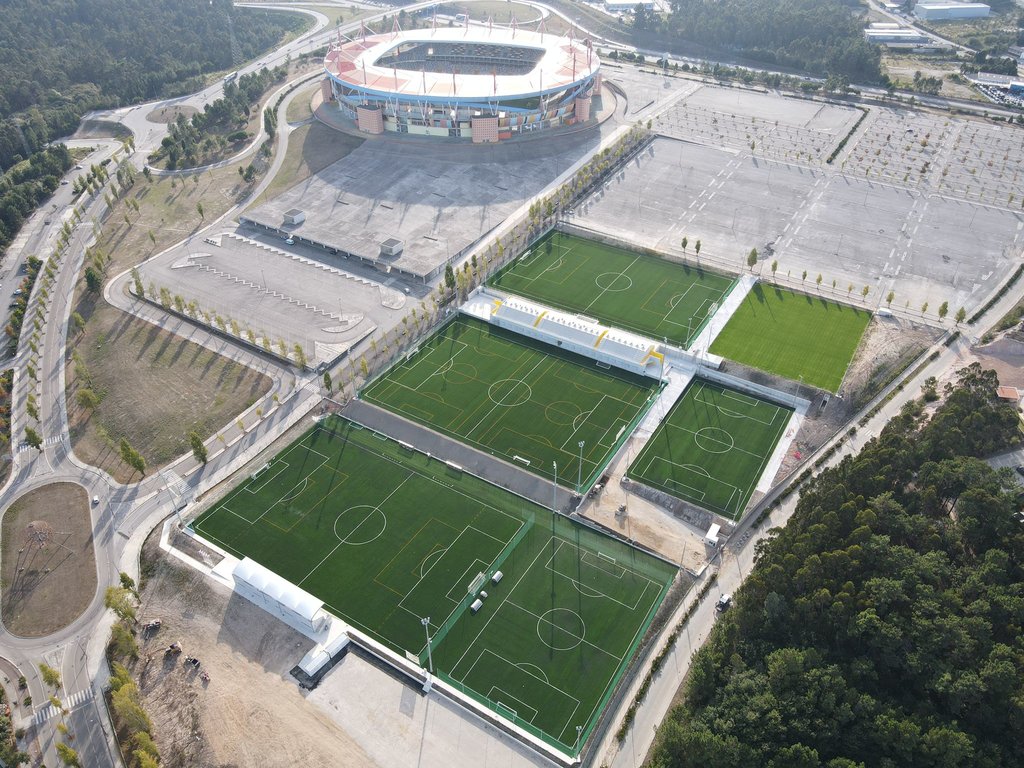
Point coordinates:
[[820, 37], [883, 625], [190, 142]]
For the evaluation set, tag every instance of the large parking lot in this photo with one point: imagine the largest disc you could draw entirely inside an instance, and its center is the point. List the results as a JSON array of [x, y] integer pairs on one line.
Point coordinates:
[[324, 304], [924, 206]]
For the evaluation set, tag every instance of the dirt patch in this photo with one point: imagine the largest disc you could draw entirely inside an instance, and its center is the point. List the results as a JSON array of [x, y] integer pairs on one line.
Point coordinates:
[[154, 388], [251, 712], [1005, 356], [168, 213], [901, 68], [170, 114], [48, 570]]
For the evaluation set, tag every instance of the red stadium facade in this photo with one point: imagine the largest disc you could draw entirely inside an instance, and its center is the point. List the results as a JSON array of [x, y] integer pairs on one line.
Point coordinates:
[[486, 84]]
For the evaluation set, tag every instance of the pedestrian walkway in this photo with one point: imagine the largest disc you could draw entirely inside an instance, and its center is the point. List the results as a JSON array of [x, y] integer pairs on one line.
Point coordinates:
[[71, 702]]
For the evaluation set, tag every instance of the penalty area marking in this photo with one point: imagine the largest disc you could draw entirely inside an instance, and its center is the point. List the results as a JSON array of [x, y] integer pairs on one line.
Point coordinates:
[[375, 521]]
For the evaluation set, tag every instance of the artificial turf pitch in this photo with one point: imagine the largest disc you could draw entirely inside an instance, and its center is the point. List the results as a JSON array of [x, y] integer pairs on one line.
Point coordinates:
[[794, 335], [385, 536], [644, 294], [529, 403], [712, 447]]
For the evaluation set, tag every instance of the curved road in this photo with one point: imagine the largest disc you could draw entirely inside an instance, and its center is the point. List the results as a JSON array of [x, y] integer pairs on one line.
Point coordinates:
[[127, 513]]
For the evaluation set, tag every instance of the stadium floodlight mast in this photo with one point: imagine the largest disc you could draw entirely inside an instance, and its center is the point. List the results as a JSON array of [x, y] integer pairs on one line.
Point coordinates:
[[579, 469], [579, 732], [425, 621], [554, 489]]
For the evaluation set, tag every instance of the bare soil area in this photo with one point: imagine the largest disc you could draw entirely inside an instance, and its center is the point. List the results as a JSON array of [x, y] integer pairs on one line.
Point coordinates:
[[251, 712], [48, 569], [155, 388], [901, 69]]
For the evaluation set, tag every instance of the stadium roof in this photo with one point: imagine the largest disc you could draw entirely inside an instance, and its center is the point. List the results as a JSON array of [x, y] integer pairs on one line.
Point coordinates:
[[269, 583], [563, 62]]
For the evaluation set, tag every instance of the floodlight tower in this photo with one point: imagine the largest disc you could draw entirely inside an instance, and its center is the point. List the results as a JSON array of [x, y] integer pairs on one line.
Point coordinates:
[[425, 621]]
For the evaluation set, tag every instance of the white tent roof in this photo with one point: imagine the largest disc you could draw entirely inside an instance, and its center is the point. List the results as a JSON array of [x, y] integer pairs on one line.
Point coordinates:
[[297, 600]]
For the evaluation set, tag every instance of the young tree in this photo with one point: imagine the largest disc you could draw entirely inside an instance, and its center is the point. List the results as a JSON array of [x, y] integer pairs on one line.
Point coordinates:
[[775, 268], [818, 280], [864, 292], [327, 382], [924, 308], [51, 677], [752, 259], [685, 242], [449, 277], [121, 602], [943, 310], [199, 210], [960, 315], [137, 279], [696, 248], [889, 297], [198, 448], [77, 322], [803, 277], [93, 281], [33, 439], [67, 755], [87, 399], [300, 355]]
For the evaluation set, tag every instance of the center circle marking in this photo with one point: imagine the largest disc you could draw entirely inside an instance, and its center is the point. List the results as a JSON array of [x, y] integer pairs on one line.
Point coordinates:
[[568, 625], [509, 392], [713, 440], [613, 281], [368, 529]]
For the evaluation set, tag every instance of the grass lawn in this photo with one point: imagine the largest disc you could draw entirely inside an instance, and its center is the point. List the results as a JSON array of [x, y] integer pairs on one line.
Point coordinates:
[[794, 335], [527, 402], [155, 386], [47, 588], [644, 294], [155, 389], [341, 513], [712, 447]]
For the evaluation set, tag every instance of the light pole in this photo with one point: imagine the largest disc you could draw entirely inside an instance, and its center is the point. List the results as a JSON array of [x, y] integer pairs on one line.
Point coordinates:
[[554, 489], [579, 469], [579, 732], [425, 621]]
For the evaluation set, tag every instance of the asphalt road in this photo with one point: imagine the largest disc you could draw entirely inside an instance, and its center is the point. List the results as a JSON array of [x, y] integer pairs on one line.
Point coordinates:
[[126, 513]]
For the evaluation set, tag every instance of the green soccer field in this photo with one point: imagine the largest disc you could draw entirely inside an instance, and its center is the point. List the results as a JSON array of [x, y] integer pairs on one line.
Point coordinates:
[[793, 335], [527, 402], [643, 294], [386, 536], [712, 447]]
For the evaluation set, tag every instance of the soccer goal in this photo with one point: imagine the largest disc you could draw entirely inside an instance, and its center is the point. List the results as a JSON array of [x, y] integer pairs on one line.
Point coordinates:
[[477, 583]]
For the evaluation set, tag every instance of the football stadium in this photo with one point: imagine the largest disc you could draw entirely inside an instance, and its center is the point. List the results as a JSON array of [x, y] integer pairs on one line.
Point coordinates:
[[487, 84]]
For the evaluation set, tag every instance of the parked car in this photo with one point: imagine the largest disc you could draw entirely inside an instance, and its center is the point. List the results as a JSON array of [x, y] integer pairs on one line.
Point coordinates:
[[723, 602]]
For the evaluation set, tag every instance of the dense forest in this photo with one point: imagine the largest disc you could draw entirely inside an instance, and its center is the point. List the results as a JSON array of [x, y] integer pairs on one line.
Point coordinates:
[[820, 37], [64, 57], [882, 625]]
